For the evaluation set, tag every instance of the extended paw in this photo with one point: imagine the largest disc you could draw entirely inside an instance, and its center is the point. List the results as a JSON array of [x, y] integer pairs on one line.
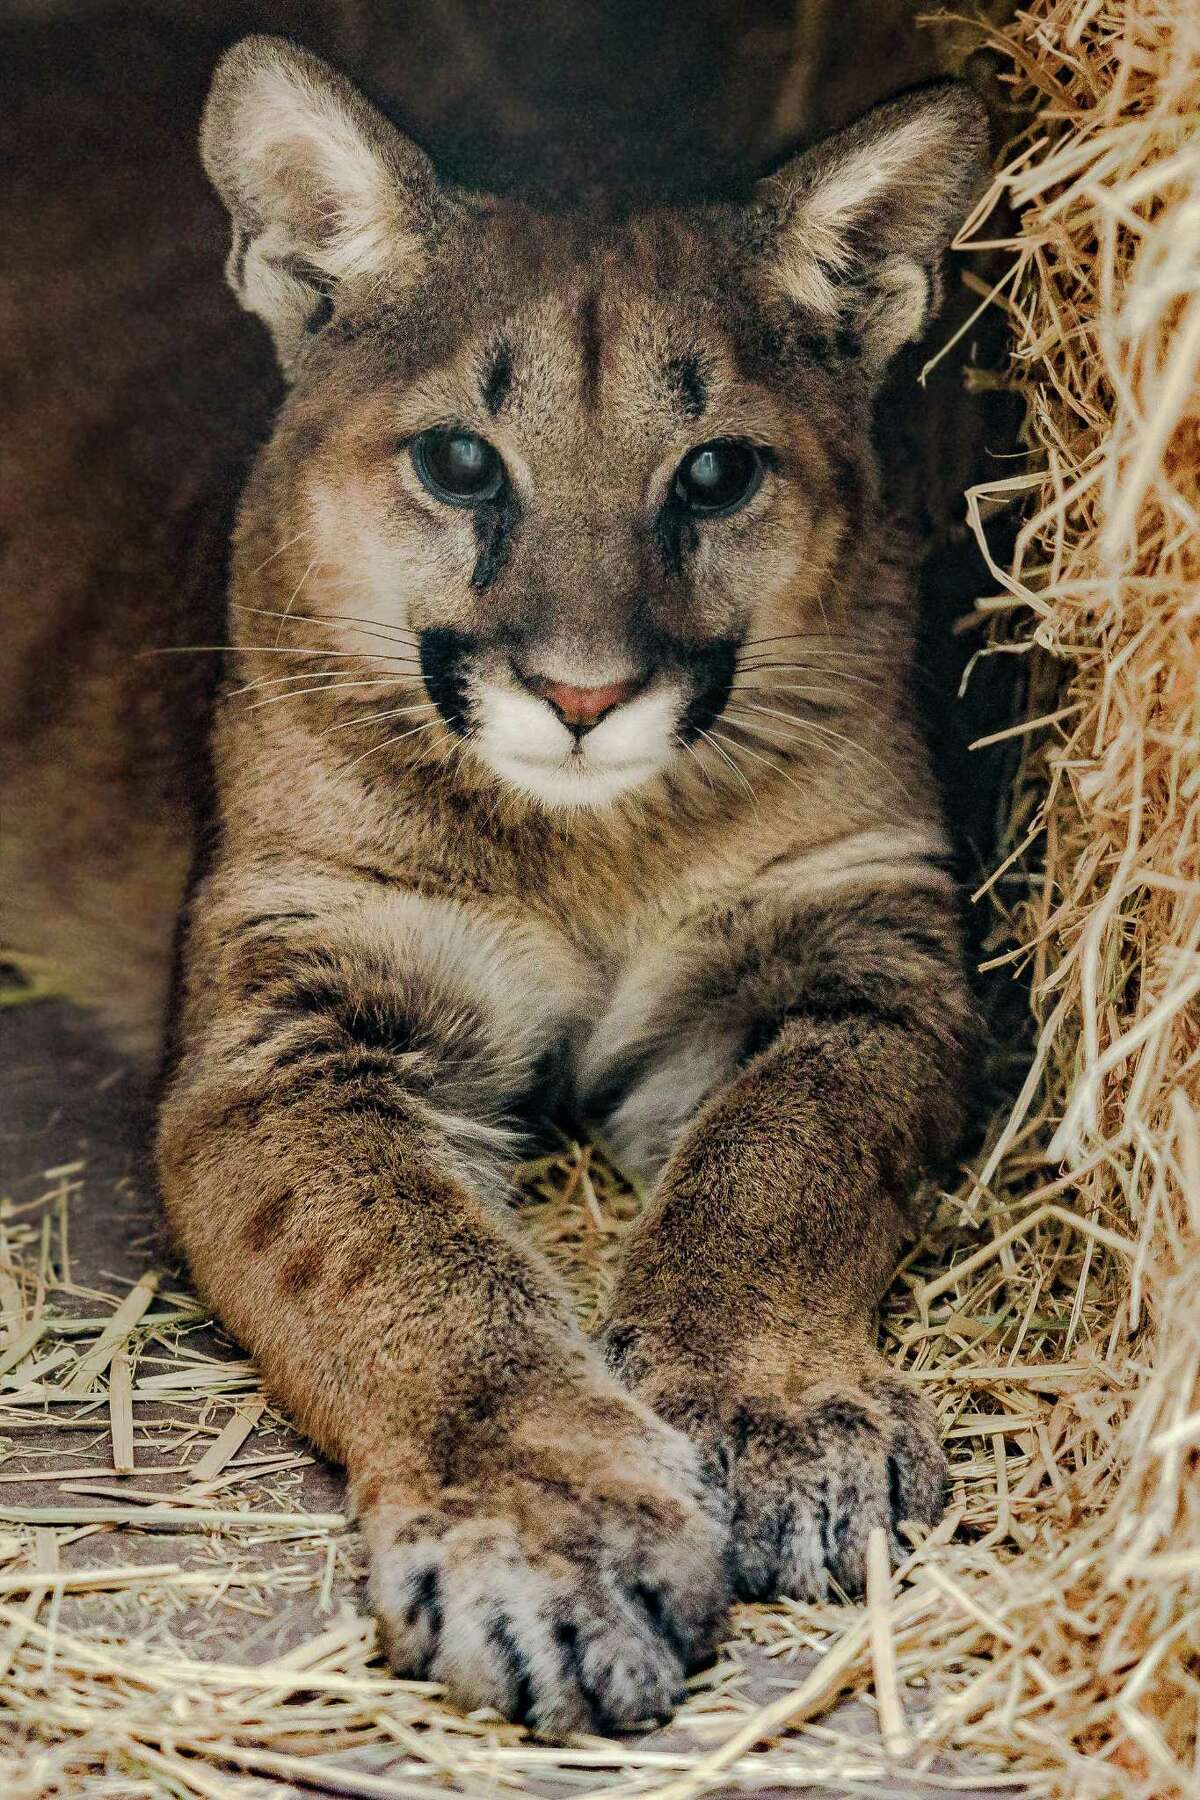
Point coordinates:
[[571, 1587], [806, 1481], [809, 1483]]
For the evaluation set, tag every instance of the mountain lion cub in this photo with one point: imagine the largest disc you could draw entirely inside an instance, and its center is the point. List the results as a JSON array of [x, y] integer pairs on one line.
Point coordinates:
[[565, 755]]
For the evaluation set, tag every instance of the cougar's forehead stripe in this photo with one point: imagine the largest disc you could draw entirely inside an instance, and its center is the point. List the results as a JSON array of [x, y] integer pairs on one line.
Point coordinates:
[[497, 381], [590, 349], [687, 385]]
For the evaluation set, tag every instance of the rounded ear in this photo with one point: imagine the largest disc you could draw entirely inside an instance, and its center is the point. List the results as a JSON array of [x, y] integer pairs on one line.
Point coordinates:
[[853, 230], [319, 186]]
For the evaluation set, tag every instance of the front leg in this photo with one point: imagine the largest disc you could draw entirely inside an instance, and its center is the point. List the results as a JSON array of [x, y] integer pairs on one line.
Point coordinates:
[[744, 1311], [331, 1153]]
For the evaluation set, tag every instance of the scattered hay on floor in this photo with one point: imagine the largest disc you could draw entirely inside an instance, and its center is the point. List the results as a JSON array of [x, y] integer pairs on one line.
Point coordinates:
[[170, 1532], [1052, 1626]]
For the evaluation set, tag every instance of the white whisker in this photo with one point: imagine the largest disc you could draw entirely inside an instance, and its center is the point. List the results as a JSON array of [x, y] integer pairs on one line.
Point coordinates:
[[268, 650], [773, 766], [294, 594], [773, 712], [848, 758], [398, 739], [726, 758], [397, 680], [286, 545], [758, 687], [397, 712], [828, 665], [329, 687], [859, 702], [801, 637], [699, 762], [340, 621]]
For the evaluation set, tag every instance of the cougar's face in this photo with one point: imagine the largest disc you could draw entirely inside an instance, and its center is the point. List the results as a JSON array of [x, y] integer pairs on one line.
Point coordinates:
[[567, 474], [569, 465]]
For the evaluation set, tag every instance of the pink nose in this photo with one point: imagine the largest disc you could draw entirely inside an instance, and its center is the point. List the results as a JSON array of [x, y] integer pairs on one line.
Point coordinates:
[[582, 707]]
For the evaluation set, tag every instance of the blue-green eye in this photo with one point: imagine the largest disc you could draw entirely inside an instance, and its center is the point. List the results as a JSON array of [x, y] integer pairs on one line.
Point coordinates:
[[457, 467], [719, 477]]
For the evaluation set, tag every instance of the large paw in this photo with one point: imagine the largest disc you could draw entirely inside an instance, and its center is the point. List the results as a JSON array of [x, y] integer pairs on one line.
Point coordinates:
[[570, 1585], [806, 1481]]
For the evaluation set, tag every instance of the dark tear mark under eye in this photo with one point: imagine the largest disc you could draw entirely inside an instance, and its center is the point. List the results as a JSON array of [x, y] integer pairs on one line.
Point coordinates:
[[685, 377], [443, 660], [675, 534], [590, 347], [494, 524], [711, 668], [497, 383]]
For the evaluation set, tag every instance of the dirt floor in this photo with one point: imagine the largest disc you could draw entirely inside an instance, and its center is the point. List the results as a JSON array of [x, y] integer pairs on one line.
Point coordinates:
[[252, 1567]]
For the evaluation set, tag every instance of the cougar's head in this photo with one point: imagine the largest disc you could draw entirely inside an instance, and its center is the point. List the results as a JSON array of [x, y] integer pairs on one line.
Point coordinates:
[[549, 471]]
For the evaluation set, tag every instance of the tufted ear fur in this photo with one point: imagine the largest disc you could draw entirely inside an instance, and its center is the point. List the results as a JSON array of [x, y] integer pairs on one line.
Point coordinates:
[[854, 229], [319, 186]]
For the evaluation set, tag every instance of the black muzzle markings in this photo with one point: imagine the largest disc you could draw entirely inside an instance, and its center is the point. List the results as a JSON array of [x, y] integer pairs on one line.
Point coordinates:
[[444, 656], [709, 668]]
